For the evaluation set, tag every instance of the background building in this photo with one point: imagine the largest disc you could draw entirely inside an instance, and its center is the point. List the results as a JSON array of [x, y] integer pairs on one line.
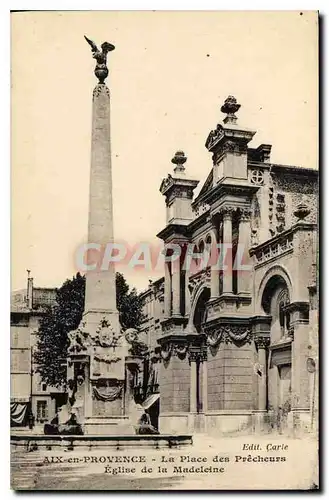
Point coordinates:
[[28, 392], [153, 310]]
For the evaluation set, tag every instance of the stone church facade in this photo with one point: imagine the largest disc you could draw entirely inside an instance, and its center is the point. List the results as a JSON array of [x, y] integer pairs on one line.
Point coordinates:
[[236, 337]]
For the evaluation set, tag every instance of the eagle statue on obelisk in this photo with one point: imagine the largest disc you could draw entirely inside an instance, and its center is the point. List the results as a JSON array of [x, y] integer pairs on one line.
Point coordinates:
[[101, 69]]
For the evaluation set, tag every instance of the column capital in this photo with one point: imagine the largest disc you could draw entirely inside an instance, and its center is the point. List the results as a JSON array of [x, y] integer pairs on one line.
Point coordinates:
[[262, 341], [227, 212], [197, 353], [245, 214]]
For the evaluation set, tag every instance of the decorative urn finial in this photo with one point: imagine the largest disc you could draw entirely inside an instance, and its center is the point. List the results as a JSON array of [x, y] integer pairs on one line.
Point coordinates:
[[230, 107], [302, 211], [179, 159], [101, 69]]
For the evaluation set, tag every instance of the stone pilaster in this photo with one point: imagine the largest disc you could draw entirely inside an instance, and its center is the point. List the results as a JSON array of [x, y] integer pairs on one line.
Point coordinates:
[[197, 359], [214, 276], [187, 293], [243, 259], [167, 290], [193, 383], [227, 213], [176, 292], [299, 332], [262, 343]]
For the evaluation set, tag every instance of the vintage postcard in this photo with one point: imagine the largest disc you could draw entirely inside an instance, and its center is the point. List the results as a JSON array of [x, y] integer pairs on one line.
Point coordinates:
[[164, 302]]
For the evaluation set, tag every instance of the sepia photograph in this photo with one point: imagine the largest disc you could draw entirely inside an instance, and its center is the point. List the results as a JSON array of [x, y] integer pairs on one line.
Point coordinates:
[[164, 330]]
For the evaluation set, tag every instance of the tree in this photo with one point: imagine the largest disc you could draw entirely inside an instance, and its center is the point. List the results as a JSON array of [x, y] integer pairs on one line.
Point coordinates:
[[129, 304], [65, 316]]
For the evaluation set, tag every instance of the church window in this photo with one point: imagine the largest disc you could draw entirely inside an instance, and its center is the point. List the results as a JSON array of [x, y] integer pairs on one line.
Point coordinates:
[[257, 177]]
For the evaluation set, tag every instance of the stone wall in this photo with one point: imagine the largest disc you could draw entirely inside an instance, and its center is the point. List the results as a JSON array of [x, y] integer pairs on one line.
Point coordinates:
[[174, 378], [297, 189], [231, 378]]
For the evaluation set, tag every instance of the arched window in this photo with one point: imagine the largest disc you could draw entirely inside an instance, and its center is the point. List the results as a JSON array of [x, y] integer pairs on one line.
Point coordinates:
[[200, 314]]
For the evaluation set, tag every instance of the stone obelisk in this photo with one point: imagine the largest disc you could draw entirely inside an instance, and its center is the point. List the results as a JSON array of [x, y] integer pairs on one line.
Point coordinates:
[[98, 349], [100, 283]]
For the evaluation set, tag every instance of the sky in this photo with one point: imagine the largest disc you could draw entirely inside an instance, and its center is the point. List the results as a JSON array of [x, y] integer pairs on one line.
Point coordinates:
[[169, 76]]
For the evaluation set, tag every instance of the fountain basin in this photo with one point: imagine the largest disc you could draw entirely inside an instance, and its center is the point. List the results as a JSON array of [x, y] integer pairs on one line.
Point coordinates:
[[33, 442]]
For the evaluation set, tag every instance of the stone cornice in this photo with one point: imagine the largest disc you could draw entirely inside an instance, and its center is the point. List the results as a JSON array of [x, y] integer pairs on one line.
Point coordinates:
[[228, 131], [172, 229], [294, 170], [261, 325], [261, 318], [198, 222], [286, 169], [173, 321], [297, 306], [284, 344], [175, 181], [226, 187]]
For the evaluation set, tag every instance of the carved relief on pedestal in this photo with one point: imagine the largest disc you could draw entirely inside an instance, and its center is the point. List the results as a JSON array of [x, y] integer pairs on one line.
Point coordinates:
[[104, 350], [105, 335], [111, 391], [79, 340]]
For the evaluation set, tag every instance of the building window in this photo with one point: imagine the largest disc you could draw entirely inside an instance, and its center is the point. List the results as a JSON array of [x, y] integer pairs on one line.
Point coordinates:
[[42, 411], [43, 387]]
